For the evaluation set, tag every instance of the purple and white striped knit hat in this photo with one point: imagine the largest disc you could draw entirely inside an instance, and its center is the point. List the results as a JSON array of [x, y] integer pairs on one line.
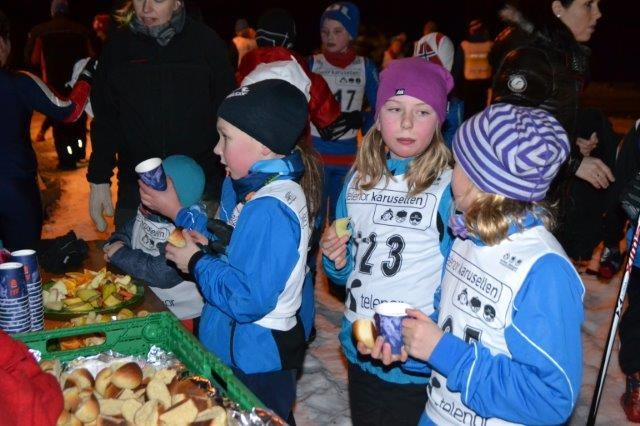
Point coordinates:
[[511, 150]]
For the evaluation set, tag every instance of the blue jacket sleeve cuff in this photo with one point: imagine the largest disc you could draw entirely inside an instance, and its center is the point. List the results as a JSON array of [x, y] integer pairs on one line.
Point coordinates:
[[447, 353], [415, 366]]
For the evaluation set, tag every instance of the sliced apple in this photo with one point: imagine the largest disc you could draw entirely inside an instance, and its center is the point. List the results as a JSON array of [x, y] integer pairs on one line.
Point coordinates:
[[72, 301], [53, 305], [96, 281], [124, 280], [88, 294], [60, 287], [80, 307], [112, 300], [341, 226]]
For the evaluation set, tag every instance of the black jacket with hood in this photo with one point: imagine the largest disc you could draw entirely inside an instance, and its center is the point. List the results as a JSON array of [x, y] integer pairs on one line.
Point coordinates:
[[554, 66], [155, 101]]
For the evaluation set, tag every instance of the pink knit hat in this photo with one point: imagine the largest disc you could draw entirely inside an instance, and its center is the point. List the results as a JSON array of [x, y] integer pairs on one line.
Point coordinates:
[[416, 77]]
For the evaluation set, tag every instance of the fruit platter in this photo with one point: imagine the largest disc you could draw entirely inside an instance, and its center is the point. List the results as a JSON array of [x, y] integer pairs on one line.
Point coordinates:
[[78, 293]]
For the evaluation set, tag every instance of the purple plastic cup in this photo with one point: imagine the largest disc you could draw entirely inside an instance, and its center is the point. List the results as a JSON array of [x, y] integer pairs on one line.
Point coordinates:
[[29, 262], [388, 318], [152, 173]]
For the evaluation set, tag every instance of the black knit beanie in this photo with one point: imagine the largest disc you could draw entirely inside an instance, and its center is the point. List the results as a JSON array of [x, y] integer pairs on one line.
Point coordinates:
[[276, 28], [273, 112]]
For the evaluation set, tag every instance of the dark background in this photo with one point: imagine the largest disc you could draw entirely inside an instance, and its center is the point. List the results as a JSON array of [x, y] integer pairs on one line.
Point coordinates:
[[615, 44]]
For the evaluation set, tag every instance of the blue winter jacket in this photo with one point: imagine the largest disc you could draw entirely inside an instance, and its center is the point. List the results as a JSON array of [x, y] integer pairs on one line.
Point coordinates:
[[243, 286], [540, 382], [20, 95], [395, 374]]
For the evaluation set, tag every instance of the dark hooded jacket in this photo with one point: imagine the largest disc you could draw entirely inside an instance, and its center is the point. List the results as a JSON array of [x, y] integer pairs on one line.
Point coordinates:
[[156, 101], [554, 66]]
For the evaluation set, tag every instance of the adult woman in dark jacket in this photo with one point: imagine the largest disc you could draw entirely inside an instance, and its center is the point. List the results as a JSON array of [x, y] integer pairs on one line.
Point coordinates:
[[540, 61], [160, 80]]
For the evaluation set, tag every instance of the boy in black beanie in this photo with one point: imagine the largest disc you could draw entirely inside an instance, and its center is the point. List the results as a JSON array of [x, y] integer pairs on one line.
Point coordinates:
[[253, 291]]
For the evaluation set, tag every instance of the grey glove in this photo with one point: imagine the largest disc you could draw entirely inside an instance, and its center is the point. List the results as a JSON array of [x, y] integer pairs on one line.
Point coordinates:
[[99, 203]]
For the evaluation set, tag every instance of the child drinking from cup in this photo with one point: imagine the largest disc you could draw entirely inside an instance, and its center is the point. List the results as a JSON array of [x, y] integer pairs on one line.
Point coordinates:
[[138, 247], [398, 198], [506, 348], [253, 289]]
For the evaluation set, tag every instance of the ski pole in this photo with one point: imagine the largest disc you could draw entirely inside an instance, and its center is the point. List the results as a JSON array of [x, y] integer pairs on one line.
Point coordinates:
[[606, 356]]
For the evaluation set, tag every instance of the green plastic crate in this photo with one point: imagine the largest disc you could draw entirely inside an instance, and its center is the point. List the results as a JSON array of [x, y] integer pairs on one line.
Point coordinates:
[[135, 336]]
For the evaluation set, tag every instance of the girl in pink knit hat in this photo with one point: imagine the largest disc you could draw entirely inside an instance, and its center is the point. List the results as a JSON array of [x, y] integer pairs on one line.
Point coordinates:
[[398, 199]]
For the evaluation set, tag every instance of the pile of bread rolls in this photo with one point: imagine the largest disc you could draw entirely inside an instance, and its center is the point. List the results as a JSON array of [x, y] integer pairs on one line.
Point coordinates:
[[125, 394]]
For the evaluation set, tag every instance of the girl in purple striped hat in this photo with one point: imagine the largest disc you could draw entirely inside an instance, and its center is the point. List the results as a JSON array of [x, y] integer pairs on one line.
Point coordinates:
[[506, 348]]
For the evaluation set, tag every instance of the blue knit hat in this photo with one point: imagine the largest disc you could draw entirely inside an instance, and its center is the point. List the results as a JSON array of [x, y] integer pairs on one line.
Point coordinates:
[[346, 13], [187, 176], [511, 150]]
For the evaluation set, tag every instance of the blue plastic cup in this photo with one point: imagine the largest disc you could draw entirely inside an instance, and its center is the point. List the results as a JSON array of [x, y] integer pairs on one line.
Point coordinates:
[[12, 282], [152, 173], [29, 262], [388, 318]]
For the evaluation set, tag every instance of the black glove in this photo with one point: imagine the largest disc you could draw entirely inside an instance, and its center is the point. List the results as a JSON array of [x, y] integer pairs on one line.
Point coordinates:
[[63, 253], [346, 121], [223, 232], [630, 198]]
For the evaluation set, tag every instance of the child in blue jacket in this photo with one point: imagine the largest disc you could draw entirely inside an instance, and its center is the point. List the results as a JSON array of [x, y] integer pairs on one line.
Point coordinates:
[[399, 200], [253, 292], [507, 347], [137, 247]]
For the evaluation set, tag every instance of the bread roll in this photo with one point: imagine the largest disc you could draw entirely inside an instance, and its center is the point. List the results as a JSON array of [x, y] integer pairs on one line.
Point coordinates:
[[52, 366], [176, 238], [156, 389], [103, 379], [214, 416], [127, 394], [187, 387], [80, 378], [104, 420], [68, 419], [129, 409], [202, 403], [183, 413], [71, 398], [365, 331], [148, 414], [112, 391], [111, 407], [128, 376], [89, 409], [166, 375], [177, 398]]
